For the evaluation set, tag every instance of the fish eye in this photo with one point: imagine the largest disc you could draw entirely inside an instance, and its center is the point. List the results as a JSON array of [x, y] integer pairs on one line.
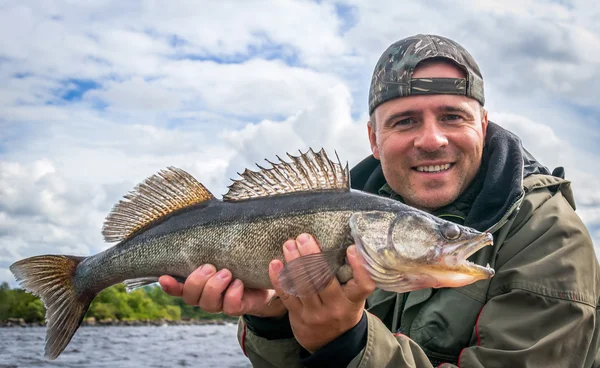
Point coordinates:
[[450, 231]]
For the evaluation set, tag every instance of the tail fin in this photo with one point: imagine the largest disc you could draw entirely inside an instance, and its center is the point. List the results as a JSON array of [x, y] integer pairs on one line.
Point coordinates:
[[51, 279]]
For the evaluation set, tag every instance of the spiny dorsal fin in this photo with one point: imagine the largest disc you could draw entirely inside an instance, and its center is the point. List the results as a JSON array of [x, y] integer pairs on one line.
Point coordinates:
[[308, 172], [159, 195]]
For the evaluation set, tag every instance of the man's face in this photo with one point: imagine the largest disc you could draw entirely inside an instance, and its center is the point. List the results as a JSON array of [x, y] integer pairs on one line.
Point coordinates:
[[430, 146]]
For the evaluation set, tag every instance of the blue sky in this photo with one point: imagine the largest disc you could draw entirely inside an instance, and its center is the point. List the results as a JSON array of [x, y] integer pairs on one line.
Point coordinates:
[[94, 97]]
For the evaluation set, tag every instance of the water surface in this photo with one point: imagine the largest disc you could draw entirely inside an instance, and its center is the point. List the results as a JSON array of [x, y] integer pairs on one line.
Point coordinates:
[[116, 346]]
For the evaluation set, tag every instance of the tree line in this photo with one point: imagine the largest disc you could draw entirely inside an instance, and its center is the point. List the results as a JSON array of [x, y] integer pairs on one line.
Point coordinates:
[[147, 303]]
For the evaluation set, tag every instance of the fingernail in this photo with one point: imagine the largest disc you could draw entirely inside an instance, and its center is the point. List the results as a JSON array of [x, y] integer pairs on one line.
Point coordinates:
[[352, 251], [237, 283], [290, 245], [276, 266], [205, 270], [303, 239], [222, 275]]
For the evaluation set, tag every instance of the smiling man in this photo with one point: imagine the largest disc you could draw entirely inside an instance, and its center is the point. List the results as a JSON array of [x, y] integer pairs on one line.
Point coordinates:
[[434, 148]]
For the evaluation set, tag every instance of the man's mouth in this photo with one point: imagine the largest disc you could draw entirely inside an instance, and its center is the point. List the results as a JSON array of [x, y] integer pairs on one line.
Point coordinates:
[[433, 168]]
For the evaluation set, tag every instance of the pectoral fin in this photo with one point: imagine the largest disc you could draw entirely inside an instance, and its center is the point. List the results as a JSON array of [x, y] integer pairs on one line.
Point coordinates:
[[310, 274]]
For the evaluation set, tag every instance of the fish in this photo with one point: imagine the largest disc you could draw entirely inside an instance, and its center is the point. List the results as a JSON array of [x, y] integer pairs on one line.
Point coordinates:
[[170, 224]]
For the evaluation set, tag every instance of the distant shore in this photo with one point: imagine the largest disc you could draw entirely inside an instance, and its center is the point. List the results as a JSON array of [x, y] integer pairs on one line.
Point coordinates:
[[92, 322]]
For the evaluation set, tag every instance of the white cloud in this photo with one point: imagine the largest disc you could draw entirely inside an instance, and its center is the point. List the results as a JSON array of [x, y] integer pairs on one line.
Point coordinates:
[[41, 212], [249, 88], [136, 94], [325, 124]]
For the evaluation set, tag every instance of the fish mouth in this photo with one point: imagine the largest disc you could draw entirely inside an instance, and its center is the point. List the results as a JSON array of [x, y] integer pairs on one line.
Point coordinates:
[[455, 256]]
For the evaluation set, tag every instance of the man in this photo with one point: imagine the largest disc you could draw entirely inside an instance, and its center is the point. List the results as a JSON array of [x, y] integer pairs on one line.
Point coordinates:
[[434, 149]]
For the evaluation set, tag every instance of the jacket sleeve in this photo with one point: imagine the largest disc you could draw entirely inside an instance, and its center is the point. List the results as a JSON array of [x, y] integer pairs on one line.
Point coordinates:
[[385, 349], [541, 310], [285, 350], [268, 353]]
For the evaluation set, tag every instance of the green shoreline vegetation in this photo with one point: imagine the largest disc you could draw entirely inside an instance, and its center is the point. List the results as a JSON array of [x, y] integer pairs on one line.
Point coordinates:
[[148, 303]]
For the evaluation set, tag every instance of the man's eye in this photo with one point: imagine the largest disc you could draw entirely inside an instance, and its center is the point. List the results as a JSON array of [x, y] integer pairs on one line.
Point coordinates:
[[452, 118], [404, 122]]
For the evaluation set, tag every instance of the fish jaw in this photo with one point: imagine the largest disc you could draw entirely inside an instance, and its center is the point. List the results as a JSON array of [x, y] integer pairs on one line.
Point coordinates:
[[434, 264], [454, 266], [452, 269]]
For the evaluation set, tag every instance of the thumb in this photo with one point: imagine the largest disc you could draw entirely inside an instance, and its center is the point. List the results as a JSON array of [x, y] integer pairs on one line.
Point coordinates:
[[262, 303], [361, 285], [289, 301]]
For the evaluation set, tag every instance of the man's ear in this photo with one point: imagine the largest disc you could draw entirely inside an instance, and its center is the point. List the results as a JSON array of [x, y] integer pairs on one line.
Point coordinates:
[[373, 138], [484, 122]]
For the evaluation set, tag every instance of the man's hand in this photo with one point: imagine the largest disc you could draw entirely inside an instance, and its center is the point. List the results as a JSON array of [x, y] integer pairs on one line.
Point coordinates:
[[211, 291], [319, 319]]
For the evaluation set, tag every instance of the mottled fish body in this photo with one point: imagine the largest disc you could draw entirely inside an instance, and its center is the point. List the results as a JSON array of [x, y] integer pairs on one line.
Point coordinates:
[[170, 224], [242, 237]]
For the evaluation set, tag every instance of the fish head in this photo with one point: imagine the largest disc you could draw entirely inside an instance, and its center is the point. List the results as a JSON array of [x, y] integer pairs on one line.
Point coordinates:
[[411, 249]]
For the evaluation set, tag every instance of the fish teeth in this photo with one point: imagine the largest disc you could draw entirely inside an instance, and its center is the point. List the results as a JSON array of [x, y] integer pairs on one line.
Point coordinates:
[[433, 168]]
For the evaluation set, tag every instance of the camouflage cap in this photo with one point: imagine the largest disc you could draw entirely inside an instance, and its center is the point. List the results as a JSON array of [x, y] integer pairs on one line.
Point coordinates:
[[392, 76]]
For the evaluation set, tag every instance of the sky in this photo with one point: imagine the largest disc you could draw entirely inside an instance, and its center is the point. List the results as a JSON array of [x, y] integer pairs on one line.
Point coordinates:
[[97, 96]]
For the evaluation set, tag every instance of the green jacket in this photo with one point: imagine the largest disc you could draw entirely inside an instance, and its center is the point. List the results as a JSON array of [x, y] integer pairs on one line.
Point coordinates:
[[539, 310]]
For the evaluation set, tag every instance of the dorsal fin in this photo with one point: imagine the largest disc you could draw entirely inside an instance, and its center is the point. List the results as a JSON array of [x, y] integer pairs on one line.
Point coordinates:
[[159, 195], [308, 172]]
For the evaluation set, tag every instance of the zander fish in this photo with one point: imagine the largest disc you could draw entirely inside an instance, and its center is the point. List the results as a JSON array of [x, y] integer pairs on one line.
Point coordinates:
[[170, 224]]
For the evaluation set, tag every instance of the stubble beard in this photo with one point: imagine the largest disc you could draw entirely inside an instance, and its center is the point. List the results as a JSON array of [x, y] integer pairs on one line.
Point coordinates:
[[419, 197]]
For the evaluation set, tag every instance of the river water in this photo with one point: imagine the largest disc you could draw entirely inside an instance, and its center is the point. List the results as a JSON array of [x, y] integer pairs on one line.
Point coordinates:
[[115, 346]]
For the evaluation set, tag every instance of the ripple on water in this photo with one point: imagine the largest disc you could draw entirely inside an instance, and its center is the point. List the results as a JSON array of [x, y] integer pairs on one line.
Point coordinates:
[[122, 346]]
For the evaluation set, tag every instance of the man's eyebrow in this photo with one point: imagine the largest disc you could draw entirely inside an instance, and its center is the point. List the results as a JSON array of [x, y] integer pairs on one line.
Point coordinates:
[[449, 108], [400, 115], [407, 113]]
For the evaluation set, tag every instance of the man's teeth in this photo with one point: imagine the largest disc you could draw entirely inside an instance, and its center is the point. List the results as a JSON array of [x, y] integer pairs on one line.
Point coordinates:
[[433, 168]]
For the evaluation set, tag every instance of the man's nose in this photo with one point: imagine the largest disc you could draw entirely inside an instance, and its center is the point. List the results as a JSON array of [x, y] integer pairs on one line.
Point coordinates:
[[431, 137]]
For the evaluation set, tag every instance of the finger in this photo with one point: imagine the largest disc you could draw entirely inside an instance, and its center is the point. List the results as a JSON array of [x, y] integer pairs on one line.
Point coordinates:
[[306, 245], [290, 250], [194, 284], [211, 299], [332, 293], [290, 253], [170, 285], [361, 285], [289, 301], [232, 300], [257, 302], [257, 299]]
